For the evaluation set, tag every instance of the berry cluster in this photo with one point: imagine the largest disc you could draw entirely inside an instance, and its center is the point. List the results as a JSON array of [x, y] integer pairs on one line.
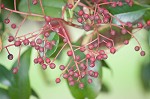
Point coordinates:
[[97, 48]]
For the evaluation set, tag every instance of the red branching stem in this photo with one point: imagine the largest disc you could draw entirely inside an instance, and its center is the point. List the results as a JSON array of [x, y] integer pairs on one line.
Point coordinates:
[[15, 4], [20, 25], [23, 13], [42, 7], [59, 52], [65, 33], [130, 34], [29, 6], [66, 68], [7, 50], [8, 46]]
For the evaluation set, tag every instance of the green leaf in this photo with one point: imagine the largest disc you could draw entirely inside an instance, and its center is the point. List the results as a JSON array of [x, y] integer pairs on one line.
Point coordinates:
[[52, 8], [143, 1], [105, 88], [4, 94], [125, 9], [53, 36], [104, 64], [147, 16], [89, 91], [145, 75], [2, 27], [6, 76], [33, 92], [20, 88], [127, 13]]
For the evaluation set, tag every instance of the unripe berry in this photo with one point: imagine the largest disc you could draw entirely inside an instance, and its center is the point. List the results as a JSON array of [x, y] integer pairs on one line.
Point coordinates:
[[65, 76], [37, 47], [57, 80], [47, 60], [90, 72], [34, 2], [137, 48], [70, 6], [82, 49], [65, 40], [35, 60], [129, 24], [69, 53], [105, 56], [112, 32], [101, 52], [142, 53], [126, 42], [32, 43], [15, 70], [140, 25], [88, 56], [10, 56], [47, 18], [86, 16], [41, 49], [6, 21], [2, 6], [76, 74], [52, 65], [96, 74], [61, 67], [46, 34], [13, 26], [44, 66], [108, 44], [87, 27], [80, 20], [17, 43], [90, 81], [26, 42], [123, 31], [112, 50], [11, 38], [39, 41], [70, 78], [71, 83], [81, 85], [80, 13], [71, 73], [148, 22], [40, 60]]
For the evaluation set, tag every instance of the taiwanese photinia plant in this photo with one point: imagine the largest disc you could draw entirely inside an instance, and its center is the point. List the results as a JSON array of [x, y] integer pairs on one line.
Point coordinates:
[[102, 28]]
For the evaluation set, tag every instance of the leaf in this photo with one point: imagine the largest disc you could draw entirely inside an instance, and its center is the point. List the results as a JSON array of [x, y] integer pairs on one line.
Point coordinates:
[[53, 36], [105, 64], [127, 13], [125, 9], [147, 16], [6, 76], [34, 94], [89, 91], [52, 8], [145, 75], [4, 94], [2, 28], [20, 88], [105, 88], [143, 1]]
